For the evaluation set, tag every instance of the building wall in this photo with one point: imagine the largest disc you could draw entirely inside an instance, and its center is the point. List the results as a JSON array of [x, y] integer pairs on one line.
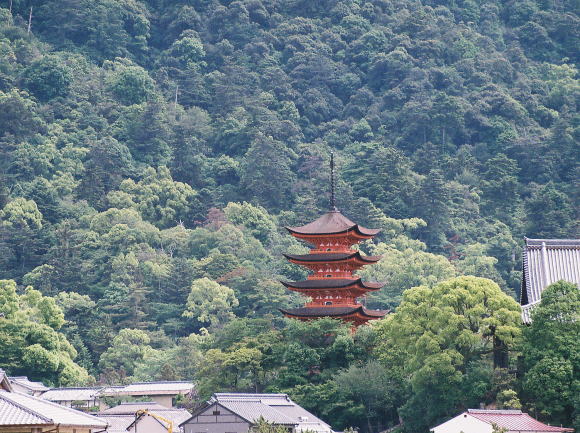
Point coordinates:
[[463, 424], [163, 400], [208, 422]]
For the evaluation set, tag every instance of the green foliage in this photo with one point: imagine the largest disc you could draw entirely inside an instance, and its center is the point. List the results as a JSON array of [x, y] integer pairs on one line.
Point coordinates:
[[151, 153], [48, 77], [550, 351], [131, 84], [436, 338], [30, 341], [210, 302]]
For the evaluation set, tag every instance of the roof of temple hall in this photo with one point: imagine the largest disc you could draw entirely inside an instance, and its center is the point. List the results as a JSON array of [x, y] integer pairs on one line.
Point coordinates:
[[546, 261], [333, 312], [332, 222], [327, 283]]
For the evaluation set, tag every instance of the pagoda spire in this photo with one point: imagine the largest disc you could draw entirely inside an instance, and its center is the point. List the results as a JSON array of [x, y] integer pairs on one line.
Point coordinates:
[[332, 184]]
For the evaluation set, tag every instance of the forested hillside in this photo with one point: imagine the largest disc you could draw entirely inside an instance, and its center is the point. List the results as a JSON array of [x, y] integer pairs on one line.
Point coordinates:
[[151, 152]]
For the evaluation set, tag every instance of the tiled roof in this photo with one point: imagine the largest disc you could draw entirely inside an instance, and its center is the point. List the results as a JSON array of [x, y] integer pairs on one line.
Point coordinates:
[[514, 420], [333, 311], [274, 408], [71, 394], [28, 384], [331, 257], [177, 416], [324, 283], [546, 261], [129, 408], [332, 222], [151, 388], [117, 423], [23, 409]]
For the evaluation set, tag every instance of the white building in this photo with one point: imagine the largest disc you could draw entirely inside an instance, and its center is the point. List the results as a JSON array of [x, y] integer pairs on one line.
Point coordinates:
[[482, 421]]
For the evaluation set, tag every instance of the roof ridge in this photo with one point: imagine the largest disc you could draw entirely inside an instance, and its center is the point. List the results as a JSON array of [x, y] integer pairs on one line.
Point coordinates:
[[24, 408]]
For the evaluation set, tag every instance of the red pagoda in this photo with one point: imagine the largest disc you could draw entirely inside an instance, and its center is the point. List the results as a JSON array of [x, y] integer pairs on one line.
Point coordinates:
[[332, 286]]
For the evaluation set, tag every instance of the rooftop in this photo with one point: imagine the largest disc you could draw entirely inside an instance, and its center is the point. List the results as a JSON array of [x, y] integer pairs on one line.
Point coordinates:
[[28, 384], [4, 382], [546, 261], [129, 408], [274, 408], [150, 388], [176, 416], [71, 394], [333, 312], [514, 420], [332, 257], [332, 222], [22, 409], [331, 283]]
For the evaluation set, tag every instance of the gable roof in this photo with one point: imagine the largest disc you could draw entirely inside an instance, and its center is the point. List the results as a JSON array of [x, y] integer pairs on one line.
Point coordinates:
[[24, 382], [22, 409], [514, 420], [177, 416], [546, 261], [4, 382], [274, 408]]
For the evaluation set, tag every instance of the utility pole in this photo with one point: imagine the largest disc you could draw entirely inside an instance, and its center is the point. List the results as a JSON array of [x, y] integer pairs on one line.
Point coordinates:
[[30, 20], [10, 8]]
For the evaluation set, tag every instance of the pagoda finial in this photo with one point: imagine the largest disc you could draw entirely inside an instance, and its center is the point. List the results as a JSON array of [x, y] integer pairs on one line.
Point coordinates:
[[332, 196]]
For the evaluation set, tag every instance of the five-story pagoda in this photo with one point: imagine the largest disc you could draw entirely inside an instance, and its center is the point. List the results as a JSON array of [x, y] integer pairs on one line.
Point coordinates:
[[333, 287]]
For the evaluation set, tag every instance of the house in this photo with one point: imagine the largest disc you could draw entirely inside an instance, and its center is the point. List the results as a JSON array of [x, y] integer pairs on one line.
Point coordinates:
[[78, 398], [482, 421], [546, 261], [24, 413], [22, 384], [237, 413], [149, 417], [160, 392]]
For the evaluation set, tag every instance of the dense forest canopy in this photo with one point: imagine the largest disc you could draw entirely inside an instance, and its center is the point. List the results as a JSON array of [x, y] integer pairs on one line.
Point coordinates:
[[151, 152]]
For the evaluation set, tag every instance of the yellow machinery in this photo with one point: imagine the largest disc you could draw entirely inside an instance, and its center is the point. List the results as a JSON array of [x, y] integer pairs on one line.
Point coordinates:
[[157, 417]]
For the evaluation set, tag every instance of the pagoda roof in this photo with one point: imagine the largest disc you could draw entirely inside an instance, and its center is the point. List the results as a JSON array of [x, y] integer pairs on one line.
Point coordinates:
[[329, 283], [334, 312], [332, 257], [333, 222]]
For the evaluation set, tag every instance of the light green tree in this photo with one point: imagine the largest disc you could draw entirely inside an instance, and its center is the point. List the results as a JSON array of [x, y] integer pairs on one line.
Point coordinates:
[[435, 336], [30, 341], [405, 263], [129, 349], [210, 302]]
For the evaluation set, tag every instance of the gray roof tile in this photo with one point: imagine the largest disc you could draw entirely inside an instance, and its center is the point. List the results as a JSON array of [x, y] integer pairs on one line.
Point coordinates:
[[25, 409], [546, 261]]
